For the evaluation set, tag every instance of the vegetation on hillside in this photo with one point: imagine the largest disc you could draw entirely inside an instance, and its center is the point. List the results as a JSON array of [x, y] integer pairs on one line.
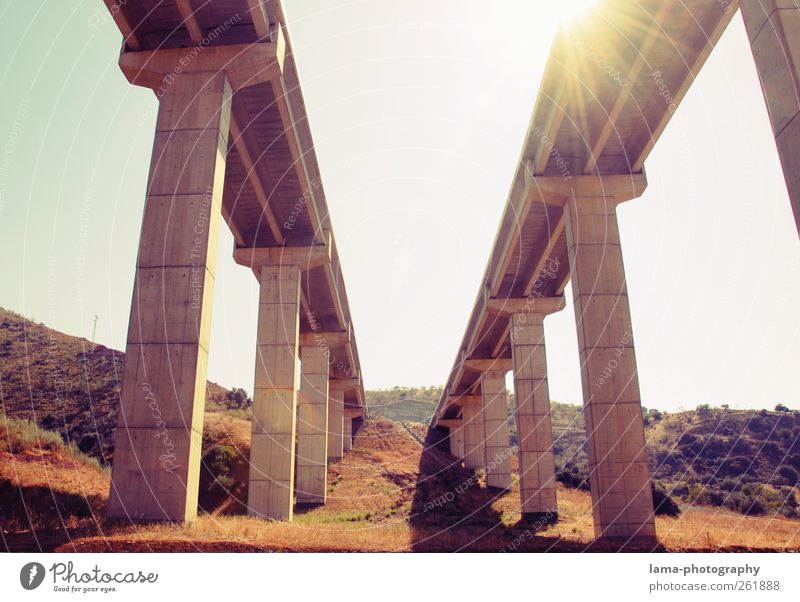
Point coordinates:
[[413, 404], [46, 483], [743, 460], [64, 384]]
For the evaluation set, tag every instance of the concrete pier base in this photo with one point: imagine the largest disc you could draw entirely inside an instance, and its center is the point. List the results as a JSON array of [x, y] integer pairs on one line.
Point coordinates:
[[619, 477], [472, 417], [532, 397], [335, 424], [456, 438], [156, 467], [311, 482], [347, 437], [497, 454], [275, 398]]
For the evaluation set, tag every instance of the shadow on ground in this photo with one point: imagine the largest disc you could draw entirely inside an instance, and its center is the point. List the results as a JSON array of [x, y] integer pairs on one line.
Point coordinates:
[[453, 511]]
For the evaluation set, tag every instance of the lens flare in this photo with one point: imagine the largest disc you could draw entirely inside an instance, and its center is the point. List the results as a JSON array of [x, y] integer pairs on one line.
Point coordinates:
[[569, 10]]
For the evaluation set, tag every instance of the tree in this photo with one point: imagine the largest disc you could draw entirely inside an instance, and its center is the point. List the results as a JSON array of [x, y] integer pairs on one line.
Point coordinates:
[[782, 409], [239, 398]]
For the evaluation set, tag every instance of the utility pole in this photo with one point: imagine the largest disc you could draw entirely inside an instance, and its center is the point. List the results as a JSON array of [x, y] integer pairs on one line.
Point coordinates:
[[94, 330]]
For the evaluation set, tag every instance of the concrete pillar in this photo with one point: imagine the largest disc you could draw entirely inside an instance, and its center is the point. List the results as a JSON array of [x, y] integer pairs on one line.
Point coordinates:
[[532, 398], [156, 465], [347, 442], [275, 397], [472, 417], [336, 425], [312, 427], [456, 438], [619, 477], [495, 430], [773, 27]]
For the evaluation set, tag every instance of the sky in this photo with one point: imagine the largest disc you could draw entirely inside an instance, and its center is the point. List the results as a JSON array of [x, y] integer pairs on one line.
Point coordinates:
[[418, 111]]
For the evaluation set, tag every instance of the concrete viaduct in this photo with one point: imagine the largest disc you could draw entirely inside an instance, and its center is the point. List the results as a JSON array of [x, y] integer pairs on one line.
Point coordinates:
[[232, 143], [611, 86]]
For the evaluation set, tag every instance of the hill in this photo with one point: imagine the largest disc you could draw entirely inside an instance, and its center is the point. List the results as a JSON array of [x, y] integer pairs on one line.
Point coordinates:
[[414, 404], [64, 383]]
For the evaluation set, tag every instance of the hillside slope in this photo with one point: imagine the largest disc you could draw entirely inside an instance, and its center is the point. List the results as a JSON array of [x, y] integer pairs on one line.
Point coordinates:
[[63, 383]]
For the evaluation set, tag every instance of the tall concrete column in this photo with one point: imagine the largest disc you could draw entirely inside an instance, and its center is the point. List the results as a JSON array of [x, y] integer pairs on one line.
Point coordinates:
[[312, 428], [156, 464], [458, 443], [773, 27], [532, 398], [495, 430], [347, 443], [619, 477], [456, 439], [335, 424], [275, 398], [472, 416]]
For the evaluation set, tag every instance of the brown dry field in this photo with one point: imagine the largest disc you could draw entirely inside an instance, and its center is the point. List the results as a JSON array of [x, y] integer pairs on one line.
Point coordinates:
[[379, 500]]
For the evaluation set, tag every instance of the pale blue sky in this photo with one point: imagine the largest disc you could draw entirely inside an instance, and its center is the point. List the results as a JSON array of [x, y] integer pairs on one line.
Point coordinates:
[[418, 111]]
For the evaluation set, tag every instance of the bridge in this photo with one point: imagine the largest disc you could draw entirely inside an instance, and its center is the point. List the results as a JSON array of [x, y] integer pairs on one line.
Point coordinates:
[[233, 144], [611, 85]]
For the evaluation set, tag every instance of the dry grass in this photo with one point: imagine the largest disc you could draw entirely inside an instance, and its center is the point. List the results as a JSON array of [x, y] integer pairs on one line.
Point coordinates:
[[375, 498]]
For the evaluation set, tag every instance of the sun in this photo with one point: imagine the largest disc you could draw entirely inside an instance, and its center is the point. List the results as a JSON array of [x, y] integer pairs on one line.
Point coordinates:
[[569, 10]]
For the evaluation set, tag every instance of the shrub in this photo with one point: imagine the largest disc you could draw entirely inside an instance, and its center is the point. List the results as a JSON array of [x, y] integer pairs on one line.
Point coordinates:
[[573, 477], [17, 436], [218, 461], [735, 466], [663, 504], [789, 475], [752, 506]]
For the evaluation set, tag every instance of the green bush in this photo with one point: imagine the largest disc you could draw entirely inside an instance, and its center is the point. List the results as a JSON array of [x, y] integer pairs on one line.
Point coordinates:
[[218, 461], [572, 476], [663, 504], [789, 475], [17, 436]]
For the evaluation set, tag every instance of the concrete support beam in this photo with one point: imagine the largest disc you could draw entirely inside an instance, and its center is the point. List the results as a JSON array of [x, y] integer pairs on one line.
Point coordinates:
[[773, 27], [345, 384], [495, 430], [473, 435], [347, 442], [620, 480], [487, 364], [158, 439], [335, 421], [245, 64], [275, 399], [532, 397], [312, 427]]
